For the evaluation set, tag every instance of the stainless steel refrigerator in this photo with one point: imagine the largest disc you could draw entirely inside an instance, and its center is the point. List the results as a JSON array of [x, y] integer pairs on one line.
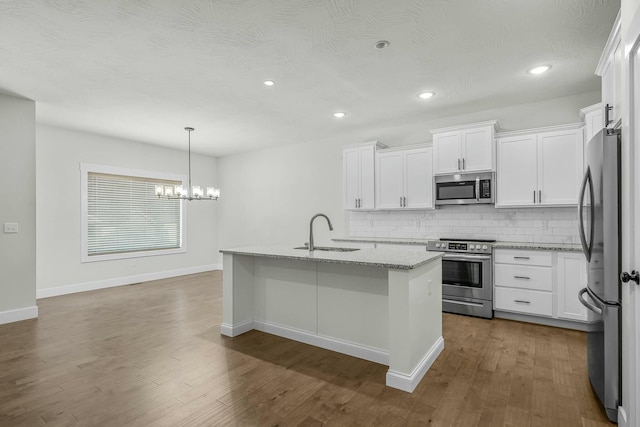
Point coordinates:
[[599, 218]]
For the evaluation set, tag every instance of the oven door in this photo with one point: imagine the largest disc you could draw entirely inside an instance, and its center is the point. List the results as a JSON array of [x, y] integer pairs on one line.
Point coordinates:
[[467, 275]]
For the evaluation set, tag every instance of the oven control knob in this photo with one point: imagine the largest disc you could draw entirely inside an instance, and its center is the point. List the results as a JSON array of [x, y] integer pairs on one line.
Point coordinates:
[[485, 247], [472, 247]]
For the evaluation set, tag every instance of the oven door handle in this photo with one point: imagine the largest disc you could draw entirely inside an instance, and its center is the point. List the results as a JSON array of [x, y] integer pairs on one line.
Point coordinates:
[[466, 257]]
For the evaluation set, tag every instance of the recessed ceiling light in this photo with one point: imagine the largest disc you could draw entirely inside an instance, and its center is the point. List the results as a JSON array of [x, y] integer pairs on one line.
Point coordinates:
[[269, 82], [339, 115], [381, 44], [426, 95], [539, 70]]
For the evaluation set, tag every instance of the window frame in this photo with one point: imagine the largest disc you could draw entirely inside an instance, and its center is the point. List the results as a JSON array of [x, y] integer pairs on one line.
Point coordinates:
[[85, 169]]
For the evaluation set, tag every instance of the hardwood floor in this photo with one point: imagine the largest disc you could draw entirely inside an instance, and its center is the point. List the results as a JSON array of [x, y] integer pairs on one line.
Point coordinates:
[[152, 354]]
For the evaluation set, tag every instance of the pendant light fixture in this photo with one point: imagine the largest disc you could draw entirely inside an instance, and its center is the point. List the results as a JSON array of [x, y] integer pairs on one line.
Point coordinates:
[[187, 193]]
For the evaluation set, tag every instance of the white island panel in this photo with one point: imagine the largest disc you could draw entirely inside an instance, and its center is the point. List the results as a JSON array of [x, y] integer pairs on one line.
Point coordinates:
[[383, 306], [285, 293], [353, 305]]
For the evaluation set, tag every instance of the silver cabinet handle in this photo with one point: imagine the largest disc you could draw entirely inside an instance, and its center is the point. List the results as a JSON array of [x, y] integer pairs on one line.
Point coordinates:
[[458, 164], [539, 196], [400, 201], [534, 197], [404, 202], [463, 165], [359, 203], [522, 277], [521, 257], [607, 120], [519, 301]]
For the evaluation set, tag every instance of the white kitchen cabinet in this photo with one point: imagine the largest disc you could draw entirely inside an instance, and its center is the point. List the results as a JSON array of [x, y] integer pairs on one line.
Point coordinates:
[[540, 283], [593, 119], [523, 282], [358, 176], [466, 148], [540, 167], [404, 178], [571, 277], [609, 69]]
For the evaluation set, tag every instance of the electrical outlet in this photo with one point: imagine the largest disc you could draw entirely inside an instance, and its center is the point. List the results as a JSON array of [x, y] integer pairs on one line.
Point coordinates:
[[10, 227], [370, 223]]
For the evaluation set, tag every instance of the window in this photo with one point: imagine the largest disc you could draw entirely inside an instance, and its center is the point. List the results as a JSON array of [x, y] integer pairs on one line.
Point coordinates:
[[123, 218]]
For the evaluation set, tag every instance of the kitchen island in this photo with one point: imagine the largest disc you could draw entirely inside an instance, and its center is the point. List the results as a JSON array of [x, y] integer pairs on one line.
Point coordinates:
[[380, 305]]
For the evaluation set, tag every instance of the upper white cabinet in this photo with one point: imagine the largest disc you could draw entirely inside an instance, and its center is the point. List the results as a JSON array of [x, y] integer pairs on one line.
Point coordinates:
[[609, 68], [539, 167], [358, 175], [593, 119], [404, 178], [466, 148]]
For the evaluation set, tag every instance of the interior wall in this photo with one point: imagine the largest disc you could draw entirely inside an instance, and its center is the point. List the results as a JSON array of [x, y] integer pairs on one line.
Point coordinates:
[[18, 205], [59, 153], [270, 195]]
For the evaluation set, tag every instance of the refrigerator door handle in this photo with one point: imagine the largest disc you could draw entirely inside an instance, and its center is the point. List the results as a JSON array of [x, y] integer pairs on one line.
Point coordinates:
[[587, 304], [586, 247]]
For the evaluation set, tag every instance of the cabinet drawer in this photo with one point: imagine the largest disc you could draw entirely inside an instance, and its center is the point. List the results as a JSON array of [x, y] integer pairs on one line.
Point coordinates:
[[524, 277], [515, 256], [523, 301]]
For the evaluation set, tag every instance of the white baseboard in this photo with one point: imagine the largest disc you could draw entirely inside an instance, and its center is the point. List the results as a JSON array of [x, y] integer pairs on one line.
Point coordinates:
[[19, 314], [235, 330], [547, 321], [120, 281], [345, 347], [409, 382]]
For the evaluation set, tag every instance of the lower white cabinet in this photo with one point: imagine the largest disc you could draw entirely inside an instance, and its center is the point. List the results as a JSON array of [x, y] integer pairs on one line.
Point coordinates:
[[572, 277], [524, 301], [540, 283]]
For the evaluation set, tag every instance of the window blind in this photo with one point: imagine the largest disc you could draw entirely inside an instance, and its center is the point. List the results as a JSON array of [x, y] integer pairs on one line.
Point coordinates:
[[124, 215]]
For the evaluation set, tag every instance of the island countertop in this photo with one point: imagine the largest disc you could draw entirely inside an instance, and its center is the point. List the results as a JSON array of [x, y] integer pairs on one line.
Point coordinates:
[[397, 260]]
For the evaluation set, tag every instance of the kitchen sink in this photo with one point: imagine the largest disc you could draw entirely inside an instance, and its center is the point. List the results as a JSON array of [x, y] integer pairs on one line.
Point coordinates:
[[327, 248]]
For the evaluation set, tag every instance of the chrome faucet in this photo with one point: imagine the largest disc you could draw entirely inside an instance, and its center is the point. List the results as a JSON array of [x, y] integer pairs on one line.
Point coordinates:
[[311, 247]]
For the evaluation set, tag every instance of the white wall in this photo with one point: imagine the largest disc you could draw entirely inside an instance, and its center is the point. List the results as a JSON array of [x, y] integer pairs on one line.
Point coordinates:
[[270, 195], [59, 153], [18, 204]]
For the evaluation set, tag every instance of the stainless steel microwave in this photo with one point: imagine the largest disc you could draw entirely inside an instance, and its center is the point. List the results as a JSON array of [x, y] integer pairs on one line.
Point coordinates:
[[465, 188]]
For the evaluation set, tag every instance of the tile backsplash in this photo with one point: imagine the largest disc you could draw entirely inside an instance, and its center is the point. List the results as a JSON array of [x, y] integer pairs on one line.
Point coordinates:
[[532, 225]]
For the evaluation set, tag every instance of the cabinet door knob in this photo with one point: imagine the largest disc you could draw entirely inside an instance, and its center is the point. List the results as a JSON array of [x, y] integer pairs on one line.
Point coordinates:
[[626, 277], [463, 165], [458, 164]]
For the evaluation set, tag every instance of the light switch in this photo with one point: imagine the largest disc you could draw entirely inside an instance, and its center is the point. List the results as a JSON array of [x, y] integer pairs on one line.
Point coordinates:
[[10, 227]]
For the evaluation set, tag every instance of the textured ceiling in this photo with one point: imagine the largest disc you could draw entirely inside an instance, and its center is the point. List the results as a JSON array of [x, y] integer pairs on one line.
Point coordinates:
[[144, 69]]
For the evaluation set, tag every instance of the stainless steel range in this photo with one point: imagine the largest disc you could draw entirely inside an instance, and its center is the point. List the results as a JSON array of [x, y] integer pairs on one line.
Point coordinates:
[[467, 276]]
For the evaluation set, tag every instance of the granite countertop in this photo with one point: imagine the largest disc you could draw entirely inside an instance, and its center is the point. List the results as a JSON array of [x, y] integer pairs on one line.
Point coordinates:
[[396, 260], [561, 247], [539, 246]]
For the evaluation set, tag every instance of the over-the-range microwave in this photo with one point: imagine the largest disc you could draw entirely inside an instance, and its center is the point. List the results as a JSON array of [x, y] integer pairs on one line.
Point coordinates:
[[465, 188]]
